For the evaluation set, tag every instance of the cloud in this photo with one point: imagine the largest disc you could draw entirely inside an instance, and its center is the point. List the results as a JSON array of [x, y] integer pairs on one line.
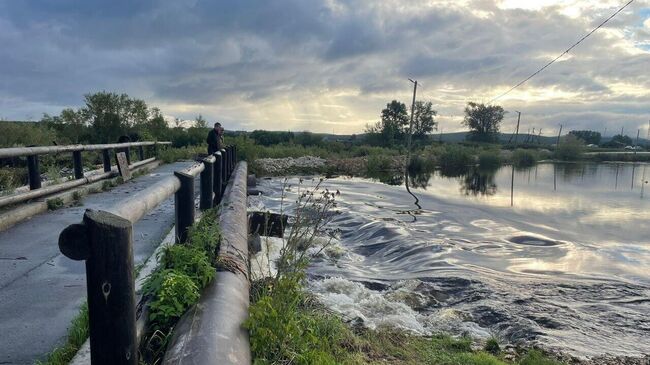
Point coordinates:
[[328, 65]]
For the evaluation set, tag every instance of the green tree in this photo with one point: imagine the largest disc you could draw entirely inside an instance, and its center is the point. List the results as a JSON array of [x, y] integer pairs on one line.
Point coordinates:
[[423, 122], [588, 137], [570, 148], [392, 126], [200, 122], [483, 121], [619, 141]]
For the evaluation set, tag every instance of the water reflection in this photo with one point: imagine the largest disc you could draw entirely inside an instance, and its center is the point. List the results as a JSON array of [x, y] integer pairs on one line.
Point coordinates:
[[479, 182]]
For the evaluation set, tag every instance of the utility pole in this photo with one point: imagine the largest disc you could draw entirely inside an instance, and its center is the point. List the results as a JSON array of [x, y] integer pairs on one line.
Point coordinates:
[[622, 129], [636, 144], [539, 137], [557, 144], [408, 152], [517, 130]]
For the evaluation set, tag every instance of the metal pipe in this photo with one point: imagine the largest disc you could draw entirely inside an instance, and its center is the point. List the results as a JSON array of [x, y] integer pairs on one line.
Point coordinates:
[[207, 176]]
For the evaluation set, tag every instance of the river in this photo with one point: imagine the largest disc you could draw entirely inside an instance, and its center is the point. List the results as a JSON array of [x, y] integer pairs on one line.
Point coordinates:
[[556, 254]]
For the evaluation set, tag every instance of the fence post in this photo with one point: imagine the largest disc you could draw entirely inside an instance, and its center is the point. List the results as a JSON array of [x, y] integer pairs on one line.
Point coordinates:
[[229, 160], [155, 150], [77, 164], [184, 204], [207, 184], [105, 241], [141, 152], [218, 164], [106, 157], [127, 151], [34, 175], [224, 170]]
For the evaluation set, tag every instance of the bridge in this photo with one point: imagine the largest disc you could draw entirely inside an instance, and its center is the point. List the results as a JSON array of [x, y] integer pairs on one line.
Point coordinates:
[[50, 259]]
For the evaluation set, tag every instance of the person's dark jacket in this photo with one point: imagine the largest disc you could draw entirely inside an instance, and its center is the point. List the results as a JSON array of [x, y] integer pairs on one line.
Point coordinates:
[[213, 141]]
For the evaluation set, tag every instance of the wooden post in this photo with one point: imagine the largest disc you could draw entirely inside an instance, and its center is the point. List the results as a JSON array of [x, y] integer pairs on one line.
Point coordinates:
[[141, 153], [33, 172], [224, 170], [207, 185], [106, 157], [105, 241], [77, 164], [155, 150], [127, 151], [218, 178], [184, 204]]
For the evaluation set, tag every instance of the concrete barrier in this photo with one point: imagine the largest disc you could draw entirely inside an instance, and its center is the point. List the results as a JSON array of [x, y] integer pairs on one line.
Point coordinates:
[[212, 331]]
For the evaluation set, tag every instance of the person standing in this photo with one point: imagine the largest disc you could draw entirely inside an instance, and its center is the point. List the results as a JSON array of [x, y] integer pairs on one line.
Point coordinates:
[[215, 139]]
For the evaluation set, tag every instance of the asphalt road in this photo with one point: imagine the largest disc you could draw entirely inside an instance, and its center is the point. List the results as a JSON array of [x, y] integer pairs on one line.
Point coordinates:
[[41, 290]]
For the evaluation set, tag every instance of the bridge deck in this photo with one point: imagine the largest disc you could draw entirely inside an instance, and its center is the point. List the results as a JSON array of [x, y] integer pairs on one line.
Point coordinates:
[[40, 289]]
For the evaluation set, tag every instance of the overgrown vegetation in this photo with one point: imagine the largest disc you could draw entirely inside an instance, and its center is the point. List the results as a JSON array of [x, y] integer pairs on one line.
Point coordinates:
[[523, 158], [176, 285], [55, 203]]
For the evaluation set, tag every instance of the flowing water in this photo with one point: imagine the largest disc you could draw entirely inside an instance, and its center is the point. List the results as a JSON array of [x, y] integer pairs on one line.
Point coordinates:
[[557, 255]]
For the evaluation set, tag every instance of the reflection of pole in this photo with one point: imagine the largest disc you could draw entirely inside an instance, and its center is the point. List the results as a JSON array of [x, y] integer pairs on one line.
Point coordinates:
[[616, 183], [636, 144], [512, 186], [643, 181], [554, 177], [633, 171]]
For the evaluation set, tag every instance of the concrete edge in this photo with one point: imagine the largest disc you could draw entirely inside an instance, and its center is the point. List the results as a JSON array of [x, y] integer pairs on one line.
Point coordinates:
[[212, 332], [25, 211]]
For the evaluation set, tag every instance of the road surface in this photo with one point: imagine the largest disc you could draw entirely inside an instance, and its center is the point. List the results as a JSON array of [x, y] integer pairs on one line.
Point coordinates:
[[41, 290]]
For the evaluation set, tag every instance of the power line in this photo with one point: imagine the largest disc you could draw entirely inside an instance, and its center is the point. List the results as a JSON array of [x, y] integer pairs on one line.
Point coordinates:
[[563, 53]]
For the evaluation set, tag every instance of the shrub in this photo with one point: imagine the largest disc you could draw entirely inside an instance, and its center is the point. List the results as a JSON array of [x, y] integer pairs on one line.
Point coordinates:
[[175, 292], [524, 158], [570, 148], [191, 261], [55, 203], [378, 163], [492, 346], [455, 159], [489, 159]]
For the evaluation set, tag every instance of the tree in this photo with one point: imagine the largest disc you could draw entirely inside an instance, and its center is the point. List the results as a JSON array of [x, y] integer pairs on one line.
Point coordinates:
[[619, 141], [423, 122], [200, 122], [570, 148], [112, 115], [392, 126], [588, 137], [483, 121]]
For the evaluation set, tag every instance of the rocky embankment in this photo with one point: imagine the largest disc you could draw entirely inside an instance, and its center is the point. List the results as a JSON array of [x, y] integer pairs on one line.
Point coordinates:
[[311, 164]]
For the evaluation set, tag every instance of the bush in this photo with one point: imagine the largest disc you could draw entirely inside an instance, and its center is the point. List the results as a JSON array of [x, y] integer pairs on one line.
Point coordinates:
[[523, 158], [174, 293], [570, 148], [492, 346], [489, 159], [378, 163], [455, 160], [55, 203]]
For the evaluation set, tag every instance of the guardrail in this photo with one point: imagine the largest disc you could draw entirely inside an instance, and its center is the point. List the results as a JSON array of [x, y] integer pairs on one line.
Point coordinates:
[[104, 240], [36, 188]]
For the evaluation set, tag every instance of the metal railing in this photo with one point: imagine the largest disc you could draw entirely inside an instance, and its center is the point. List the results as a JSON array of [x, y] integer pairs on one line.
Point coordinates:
[[36, 188], [104, 240]]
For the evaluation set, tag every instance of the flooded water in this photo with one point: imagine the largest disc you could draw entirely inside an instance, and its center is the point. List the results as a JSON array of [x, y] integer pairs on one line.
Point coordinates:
[[557, 255]]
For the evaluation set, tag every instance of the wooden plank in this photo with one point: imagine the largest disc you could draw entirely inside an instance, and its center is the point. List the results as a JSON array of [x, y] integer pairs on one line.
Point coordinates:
[[123, 166]]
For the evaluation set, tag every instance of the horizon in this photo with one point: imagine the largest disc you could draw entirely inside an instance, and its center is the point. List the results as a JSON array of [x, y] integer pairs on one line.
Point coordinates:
[[330, 67]]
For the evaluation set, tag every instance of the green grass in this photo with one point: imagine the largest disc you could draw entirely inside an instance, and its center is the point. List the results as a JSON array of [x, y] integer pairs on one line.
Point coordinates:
[[177, 283], [524, 158], [77, 335], [55, 203], [489, 159]]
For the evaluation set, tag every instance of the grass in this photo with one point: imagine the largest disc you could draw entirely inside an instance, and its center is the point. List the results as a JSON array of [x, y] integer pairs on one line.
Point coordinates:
[[77, 335], [489, 159], [177, 283], [55, 203]]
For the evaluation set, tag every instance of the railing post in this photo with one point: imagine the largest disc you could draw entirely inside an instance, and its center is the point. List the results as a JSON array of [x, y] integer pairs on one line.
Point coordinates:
[[141, 152], [127, 151], [34, 175], [105, 241], [207, 184], [229, 160], [155, 150], [77, 164], [184, 204], [224, 170], [106, 157], [218, 183]]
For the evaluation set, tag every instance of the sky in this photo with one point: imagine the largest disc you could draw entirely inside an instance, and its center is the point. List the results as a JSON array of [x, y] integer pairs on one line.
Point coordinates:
[[330, 65]]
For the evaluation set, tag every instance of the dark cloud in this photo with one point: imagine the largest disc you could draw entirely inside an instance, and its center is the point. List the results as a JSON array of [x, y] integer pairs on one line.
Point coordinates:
[[256, 63]]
